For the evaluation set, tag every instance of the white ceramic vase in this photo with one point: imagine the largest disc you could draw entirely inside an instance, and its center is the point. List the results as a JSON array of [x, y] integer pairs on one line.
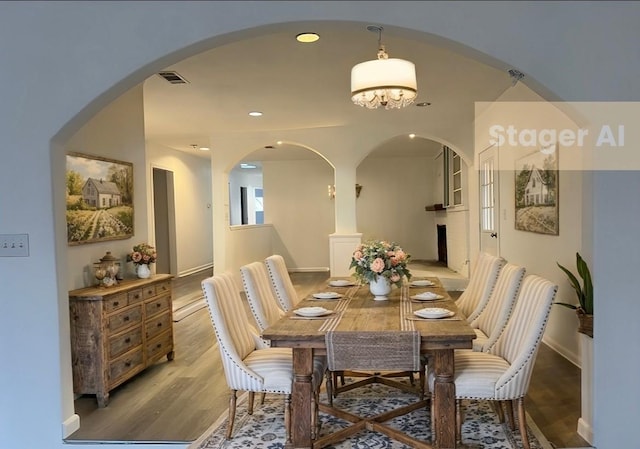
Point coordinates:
[[380, 288], [143, 271]]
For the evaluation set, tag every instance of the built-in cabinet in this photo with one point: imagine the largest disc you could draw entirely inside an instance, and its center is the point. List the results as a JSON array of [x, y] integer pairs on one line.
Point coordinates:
[[118, 331]]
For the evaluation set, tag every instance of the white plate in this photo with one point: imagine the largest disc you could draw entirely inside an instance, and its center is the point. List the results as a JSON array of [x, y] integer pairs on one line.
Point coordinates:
[[341, 283], [427, 296], [422, 284], [433, 312], [327, 295], [311, 311]]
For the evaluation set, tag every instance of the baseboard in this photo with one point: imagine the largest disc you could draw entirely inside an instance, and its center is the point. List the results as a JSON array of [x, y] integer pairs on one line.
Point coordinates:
[[194, 270], [573, 358], [585, 430], [70, 425]]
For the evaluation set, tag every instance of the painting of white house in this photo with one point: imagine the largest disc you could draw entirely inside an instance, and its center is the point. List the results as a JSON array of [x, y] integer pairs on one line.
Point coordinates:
[[536, 185], [99, 195]]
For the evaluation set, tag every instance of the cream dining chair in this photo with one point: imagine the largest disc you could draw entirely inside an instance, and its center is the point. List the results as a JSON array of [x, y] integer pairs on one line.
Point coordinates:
[[266, 311], [481, 282], [281, 282], [503, 372], [491, 321], [249, 365]]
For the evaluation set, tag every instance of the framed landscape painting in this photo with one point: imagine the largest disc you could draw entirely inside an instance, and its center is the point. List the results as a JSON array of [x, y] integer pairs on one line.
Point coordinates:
[[99, 194], [536, 187]]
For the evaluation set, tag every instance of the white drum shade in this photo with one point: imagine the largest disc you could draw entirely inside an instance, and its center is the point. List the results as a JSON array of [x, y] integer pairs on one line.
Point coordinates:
[[384, 82]]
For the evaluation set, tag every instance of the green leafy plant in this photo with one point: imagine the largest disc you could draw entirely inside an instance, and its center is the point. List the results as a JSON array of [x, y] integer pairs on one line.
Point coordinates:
[[584, 291]]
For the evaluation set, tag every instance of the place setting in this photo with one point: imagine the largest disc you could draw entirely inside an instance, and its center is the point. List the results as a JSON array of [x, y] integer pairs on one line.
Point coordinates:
[[311, 313], [432, 313], [426, 296], [341, 283], [325, 296], [421, 283]]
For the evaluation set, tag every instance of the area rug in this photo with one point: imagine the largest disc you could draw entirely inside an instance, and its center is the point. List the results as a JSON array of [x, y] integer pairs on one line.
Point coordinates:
[[265, 428]]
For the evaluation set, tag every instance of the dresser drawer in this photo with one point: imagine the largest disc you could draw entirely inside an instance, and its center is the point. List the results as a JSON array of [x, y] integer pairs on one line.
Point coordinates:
[[158, 305], [159, 346], [158, 324], [129, 362], [135, 296], [128, 317], [115, 302], [149, 292], [163, 287], [124, 342]]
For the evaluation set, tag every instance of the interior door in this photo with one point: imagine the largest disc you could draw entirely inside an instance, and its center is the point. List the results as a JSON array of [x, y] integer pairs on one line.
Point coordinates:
[[489, 201], [164, 221]]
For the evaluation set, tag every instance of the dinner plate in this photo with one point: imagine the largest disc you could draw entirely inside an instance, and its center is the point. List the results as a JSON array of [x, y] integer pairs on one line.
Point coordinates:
[[311, 311], [422, 284], [326, 295], [433, 312], [340, 283], [427, 296]]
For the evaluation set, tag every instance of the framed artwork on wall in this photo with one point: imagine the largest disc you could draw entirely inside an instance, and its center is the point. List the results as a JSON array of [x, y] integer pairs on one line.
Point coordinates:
[[99, 197], [536, 192]]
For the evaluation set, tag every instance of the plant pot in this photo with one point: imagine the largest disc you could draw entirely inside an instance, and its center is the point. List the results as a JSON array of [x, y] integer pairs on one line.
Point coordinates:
[[143, 271], [585, 323], [380, 288]]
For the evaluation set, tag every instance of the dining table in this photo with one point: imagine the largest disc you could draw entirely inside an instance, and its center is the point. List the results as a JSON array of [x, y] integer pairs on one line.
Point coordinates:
[[351, 307]]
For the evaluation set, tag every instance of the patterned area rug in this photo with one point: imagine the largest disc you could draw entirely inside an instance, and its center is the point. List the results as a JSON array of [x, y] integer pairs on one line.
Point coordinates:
[[265, 428]]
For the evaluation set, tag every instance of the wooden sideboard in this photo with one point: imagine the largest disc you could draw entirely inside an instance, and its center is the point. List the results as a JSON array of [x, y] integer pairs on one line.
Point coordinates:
[[118, 331]]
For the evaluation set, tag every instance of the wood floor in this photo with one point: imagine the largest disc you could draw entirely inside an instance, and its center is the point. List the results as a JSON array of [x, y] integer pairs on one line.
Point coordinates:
[[177, 401]]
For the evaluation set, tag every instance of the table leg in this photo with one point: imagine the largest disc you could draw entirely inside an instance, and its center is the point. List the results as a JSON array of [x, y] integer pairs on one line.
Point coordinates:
[[301, 398], [444, 400]]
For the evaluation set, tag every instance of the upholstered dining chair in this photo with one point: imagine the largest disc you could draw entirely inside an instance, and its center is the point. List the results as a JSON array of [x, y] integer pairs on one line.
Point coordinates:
[[481, 282], [492, 320], [281, 282], [248, 364], [266, 311], [503, 372]]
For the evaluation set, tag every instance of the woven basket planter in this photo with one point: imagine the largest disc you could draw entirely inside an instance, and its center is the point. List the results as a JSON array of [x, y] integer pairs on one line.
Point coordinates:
[[585, 323]]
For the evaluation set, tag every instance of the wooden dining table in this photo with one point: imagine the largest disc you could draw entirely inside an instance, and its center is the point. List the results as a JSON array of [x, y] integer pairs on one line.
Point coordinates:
[[356, 310]]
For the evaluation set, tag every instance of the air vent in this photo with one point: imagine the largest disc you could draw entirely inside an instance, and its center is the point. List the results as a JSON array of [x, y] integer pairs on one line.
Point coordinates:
[[173, 77]]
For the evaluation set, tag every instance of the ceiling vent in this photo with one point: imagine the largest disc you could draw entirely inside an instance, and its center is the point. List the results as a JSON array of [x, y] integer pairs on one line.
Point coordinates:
[[173, 77]]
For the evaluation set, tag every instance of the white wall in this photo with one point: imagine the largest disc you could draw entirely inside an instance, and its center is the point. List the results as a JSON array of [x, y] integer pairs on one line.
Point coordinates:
[[116, 132], [193, 203], [296, 203], [66, 61], [395, 191]]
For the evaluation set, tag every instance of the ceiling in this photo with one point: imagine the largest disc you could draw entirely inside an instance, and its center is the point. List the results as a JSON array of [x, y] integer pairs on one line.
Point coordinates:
[[307, 87]]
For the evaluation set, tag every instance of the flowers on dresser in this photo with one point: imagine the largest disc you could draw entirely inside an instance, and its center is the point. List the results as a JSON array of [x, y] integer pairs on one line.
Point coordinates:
[[376, 258], [142, 254]]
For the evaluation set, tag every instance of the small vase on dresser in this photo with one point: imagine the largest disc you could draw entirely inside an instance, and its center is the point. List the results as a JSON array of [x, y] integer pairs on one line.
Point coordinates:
[[143, 271]]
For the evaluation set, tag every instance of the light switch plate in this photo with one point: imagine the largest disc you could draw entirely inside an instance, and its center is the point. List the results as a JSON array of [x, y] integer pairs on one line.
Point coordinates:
[[14, 245]]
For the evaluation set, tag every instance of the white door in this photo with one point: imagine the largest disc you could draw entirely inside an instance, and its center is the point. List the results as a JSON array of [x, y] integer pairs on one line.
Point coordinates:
[[489, 201]]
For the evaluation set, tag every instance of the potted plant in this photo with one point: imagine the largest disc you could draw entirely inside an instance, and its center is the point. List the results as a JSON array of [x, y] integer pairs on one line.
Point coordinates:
[[584, 291]]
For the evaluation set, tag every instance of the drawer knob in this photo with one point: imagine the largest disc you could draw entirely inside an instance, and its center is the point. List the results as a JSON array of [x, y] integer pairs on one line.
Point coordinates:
[[116, 303], [126, 318], [127, 340], [159, 324], [158, 305], [127, 363]]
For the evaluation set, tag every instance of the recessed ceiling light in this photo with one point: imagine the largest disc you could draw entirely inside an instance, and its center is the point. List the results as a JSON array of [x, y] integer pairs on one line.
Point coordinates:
[[411, 136], [247, 166], [255, 113], [279, 142], [204, 148], [307, 38]]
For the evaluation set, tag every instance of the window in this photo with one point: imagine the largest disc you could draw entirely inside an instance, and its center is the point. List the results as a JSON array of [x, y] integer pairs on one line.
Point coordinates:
[[453, 182], [487, 202]]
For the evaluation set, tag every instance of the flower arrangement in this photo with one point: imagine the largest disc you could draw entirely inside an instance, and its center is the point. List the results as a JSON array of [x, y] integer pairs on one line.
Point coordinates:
[[142, 254], [380, 258]]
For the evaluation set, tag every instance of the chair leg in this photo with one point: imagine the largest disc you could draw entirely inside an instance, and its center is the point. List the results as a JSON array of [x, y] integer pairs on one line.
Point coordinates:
[[510, 415], [287, 419], [232, 413], [522, 422], [497, 407], [262, 397], [250, 400], [329, 387], [459, 419]]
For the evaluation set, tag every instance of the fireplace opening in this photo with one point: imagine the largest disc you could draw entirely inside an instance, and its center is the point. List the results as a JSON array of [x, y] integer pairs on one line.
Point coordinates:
[[442, 243]]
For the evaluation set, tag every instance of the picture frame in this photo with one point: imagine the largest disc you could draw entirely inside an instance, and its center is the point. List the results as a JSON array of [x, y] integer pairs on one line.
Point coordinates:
[[99, 199], [536, 192]]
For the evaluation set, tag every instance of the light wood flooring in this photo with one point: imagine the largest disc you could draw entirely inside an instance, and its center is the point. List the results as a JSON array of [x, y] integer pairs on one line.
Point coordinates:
[[177, 401]]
